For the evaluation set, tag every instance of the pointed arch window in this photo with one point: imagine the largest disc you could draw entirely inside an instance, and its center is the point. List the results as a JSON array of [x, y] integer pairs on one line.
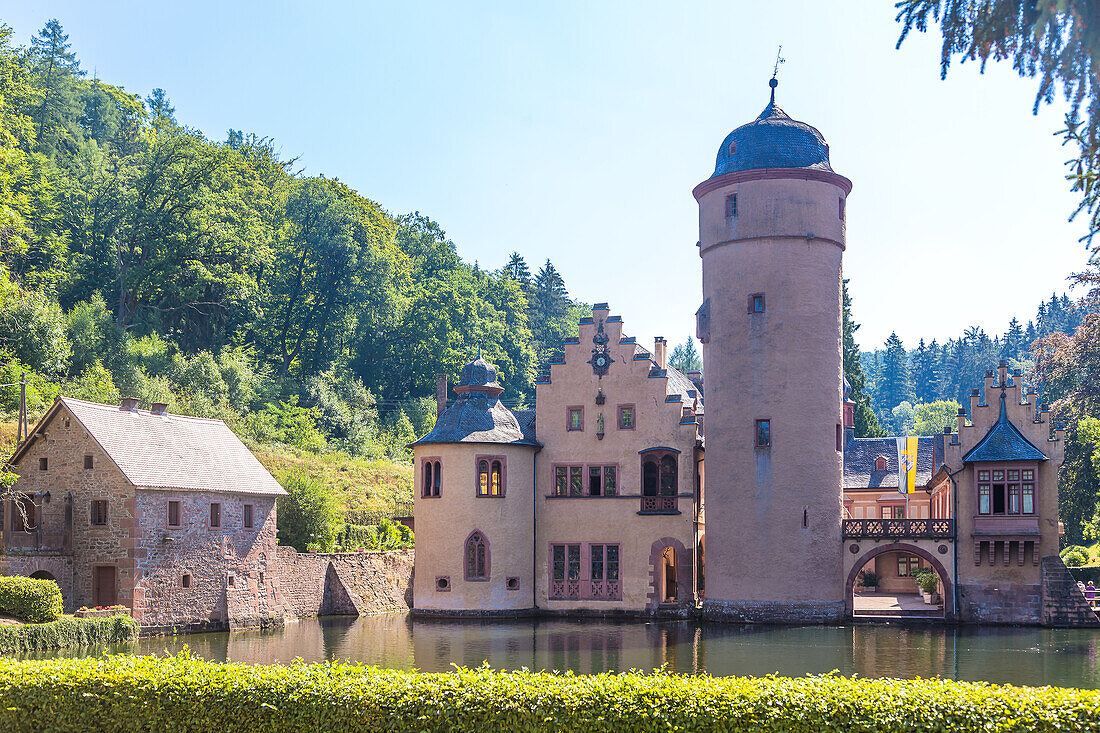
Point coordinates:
[[491, 476], [477, 557]]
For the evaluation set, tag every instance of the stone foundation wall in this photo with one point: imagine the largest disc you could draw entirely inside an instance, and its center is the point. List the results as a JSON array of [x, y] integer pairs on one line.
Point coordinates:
[[1007, 603], [1064, 604], [764, 612], [363, 583]]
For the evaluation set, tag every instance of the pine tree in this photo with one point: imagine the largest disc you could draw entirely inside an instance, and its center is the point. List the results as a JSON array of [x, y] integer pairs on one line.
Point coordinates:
[[924, 372], [865, 422], [895, 386], [517, 269], [55, 71], [1013, 343], [161, 110], [685, 357]]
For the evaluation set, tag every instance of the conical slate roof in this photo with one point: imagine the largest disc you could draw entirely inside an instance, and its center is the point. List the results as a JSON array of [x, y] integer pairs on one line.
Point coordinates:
[[1003, 442]]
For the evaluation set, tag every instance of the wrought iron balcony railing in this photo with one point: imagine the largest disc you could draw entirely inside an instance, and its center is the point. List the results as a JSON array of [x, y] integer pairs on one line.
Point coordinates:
[[933, 529]]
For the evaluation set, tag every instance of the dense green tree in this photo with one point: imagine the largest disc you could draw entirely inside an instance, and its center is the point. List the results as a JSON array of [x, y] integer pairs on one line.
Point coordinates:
[[925, 381], [56, 72], [517, 269], [308, 515], [894, 385], [685, 357], [160, 108]]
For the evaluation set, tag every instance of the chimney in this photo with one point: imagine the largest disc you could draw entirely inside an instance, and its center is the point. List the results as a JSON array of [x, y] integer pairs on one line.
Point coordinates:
[[696, 377], [128, 404], [440, 394], [660, 352], [1002, 373], [159, 408]]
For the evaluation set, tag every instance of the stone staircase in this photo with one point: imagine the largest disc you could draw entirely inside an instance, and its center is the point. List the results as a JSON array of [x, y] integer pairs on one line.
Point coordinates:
[[1063, 603]]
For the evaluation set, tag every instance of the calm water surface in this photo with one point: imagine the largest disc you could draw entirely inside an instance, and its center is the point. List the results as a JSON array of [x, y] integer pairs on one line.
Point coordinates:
[[1028, 656]]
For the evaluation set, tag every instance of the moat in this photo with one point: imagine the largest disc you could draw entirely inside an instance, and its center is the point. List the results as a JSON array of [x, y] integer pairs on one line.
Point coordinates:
[[1028, 656]]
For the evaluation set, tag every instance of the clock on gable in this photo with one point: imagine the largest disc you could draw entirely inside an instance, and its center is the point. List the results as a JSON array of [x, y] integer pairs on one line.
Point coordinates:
[[601, 359]]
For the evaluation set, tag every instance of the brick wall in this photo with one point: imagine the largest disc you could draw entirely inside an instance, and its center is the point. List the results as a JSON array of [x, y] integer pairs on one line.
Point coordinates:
[[1001, 603]]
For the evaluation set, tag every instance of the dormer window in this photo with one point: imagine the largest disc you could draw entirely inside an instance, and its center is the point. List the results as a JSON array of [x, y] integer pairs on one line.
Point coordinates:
[[732, 147], [731, 205], [880, 463]]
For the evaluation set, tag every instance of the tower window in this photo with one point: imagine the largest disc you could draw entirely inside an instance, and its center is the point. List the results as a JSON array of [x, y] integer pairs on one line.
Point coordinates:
[[477, 557], [756, 303], [840, 208], [490, 476], [731, 205], [763, 433], [732, 147]]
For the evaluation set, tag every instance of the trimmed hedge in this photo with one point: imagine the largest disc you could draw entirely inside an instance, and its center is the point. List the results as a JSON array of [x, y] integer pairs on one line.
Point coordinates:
[[32, 600], [182, 693], [67, 632]]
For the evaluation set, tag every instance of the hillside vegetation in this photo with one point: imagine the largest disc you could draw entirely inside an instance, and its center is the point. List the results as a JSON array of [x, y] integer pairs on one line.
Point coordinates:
[[140, 257]]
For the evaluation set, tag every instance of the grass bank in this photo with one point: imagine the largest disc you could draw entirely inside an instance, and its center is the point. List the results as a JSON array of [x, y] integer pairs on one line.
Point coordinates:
[[182, 693], [66, 631]]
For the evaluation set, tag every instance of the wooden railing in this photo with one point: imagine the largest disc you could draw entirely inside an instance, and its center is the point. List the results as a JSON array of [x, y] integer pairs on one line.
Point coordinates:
[[933, 529], [658, 504]]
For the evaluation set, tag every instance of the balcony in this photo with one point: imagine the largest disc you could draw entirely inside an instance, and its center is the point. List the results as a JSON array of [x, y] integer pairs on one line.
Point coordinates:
[[586, 590], [889, 529], [659, 505]]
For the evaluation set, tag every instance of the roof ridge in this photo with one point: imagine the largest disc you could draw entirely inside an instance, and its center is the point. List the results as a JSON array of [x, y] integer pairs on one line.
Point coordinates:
[[115, 408]]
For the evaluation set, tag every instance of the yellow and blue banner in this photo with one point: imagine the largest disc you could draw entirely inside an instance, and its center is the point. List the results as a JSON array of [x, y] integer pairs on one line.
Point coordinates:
[[907, 464]]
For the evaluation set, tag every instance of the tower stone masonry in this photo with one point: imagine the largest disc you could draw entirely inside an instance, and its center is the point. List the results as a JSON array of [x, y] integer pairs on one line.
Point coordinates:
[[771, 239]]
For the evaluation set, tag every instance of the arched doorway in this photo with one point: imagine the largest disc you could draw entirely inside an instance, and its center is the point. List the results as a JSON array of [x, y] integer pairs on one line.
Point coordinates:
[[896, 566], [42, 575], [670, 569]]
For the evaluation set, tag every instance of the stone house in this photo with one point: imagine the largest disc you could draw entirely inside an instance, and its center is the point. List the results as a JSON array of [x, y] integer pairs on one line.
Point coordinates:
[[591, 502], [169, 515]]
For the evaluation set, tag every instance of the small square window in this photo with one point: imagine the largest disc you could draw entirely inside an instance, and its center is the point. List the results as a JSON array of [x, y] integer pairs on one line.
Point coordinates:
[[247, 514], [215, 515], [763, 433], [575, 419], [512, 584], [626, 417], [99, 512], [231, 579], [88, 465], [186, 581], [756, 303], [443, 583], [43, 464], [731, 205], [173, 514]]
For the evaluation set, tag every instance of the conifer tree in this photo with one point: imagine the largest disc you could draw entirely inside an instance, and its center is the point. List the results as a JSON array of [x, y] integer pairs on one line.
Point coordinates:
[[685, 357], [924, 372], [55, 69], [894, 386], [517, 269]]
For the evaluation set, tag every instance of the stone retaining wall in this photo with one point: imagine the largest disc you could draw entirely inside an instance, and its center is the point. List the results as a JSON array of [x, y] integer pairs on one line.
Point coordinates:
[[1063, 602], [353, 583]]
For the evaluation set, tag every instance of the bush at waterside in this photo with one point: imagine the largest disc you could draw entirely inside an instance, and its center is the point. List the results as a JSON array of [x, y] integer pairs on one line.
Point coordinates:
[[181, 693], [31, 600], [66, 632]]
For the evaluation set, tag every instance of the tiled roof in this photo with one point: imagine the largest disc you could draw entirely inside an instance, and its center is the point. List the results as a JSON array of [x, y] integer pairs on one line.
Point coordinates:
[[1003, 442], [174, 451], [859, 462], [679, 385], [772, 140], [477, 417], [526, 419]]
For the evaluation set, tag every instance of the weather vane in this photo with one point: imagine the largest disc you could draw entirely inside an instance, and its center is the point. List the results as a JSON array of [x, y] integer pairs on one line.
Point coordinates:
[[775, 71]]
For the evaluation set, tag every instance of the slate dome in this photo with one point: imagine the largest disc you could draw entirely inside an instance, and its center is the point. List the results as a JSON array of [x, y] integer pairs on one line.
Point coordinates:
[[773, 140], [478, 373]]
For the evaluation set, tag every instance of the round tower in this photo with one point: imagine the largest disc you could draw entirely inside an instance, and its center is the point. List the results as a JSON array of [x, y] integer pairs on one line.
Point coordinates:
[[771, 236], [474, 503]]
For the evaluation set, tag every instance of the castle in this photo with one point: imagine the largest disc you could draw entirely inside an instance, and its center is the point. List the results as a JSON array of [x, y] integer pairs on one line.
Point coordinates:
[[596, 501]]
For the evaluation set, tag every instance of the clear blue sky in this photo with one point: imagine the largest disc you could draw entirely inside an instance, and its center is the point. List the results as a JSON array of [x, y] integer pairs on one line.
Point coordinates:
[[576, 131]]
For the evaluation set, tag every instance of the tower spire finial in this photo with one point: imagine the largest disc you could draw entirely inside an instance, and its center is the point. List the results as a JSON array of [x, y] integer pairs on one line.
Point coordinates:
[[774, 82], [479, 348]]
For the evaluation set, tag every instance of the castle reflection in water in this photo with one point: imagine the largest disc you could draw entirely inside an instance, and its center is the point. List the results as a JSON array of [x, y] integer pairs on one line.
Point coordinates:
[[1032, 656]]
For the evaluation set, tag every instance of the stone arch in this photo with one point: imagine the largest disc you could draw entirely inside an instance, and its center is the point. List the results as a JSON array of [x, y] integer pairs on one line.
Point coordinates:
[[945, 577], [683, 569], [43, 575]]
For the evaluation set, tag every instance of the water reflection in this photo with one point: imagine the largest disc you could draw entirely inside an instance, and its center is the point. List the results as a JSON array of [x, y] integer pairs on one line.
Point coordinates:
[[1063, 657]]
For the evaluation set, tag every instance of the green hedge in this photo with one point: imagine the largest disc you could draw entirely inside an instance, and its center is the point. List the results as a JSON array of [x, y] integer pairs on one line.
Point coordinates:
[[67, 632], [34, 601], [181, 693]]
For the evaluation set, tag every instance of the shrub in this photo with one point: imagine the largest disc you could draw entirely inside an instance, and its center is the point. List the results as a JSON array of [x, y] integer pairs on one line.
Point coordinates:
[[868, 579], [1075, 556], [183, 693], [308, 514], [31, 600], [67, 632]]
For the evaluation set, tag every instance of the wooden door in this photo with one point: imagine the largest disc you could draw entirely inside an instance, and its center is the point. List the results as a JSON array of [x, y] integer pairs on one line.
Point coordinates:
[[104, 590]]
